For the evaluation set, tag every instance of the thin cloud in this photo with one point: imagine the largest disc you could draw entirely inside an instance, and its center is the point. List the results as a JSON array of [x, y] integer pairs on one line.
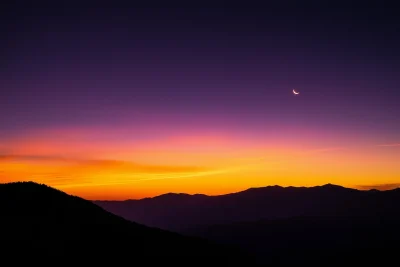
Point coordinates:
[[84, 172], [329, 149], [135, 178], [390, 145], [12, 157], [381, 187], [100, 163]]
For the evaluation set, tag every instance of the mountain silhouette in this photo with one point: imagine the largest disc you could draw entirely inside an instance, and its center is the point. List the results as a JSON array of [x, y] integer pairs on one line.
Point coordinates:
[[325, 225], [180, 212], [49, 224]]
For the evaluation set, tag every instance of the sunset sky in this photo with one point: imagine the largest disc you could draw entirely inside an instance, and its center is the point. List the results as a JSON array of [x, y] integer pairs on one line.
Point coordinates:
[[118, 103]]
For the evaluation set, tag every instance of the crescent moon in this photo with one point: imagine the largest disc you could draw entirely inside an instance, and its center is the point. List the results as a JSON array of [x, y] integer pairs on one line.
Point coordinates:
[[296, 93]]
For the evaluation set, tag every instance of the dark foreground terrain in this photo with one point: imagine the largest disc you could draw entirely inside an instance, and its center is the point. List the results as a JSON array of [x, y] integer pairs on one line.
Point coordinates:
[[317, 226], [40, 225], [317, 241]]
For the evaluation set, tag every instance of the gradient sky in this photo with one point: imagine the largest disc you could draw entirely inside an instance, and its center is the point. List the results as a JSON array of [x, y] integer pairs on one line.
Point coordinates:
[[117, 103]]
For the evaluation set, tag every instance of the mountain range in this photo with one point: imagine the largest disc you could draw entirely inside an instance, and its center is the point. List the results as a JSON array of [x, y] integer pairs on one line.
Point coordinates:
[[180, 212], [325, 225]]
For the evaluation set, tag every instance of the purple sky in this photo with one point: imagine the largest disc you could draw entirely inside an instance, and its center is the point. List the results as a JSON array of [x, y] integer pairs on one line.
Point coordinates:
[[226, 68]]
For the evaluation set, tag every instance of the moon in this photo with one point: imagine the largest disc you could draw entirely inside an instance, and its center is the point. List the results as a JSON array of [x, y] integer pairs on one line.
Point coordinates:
[[296, 93]]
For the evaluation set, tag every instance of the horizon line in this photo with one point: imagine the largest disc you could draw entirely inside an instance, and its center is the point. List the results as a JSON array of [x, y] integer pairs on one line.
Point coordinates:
[[376, 187]]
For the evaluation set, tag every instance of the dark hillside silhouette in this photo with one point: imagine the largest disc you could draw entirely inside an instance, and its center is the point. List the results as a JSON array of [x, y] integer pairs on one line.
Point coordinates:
[[179, 212], [41, 221]]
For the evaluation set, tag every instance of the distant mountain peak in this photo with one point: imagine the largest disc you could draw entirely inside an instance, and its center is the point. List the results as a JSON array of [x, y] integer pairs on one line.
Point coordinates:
[[264, 188], [174, 196], [278, 188], [270, 188], [330, 186]]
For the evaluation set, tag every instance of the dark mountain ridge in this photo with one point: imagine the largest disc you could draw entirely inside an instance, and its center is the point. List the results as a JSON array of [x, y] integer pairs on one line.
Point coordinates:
[[179, 212], [45, 222]]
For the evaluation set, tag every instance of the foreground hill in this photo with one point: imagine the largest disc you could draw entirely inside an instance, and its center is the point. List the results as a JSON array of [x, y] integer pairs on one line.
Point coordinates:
[[180, 212], [49, 224]]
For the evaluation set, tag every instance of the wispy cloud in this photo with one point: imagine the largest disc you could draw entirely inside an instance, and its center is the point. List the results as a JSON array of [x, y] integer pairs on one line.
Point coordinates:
[[321, 150], [134, 178], [390, 145], [89, 172], [71, 172], [381, 187], [93, 163], [161, 176], [38, 158]]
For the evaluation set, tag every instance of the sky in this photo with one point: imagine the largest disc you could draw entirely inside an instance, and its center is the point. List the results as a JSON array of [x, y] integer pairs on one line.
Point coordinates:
[[119, 103]]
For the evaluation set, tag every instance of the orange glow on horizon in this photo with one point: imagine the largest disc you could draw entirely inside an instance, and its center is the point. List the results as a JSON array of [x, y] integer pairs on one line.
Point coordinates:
[[117, 168]]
